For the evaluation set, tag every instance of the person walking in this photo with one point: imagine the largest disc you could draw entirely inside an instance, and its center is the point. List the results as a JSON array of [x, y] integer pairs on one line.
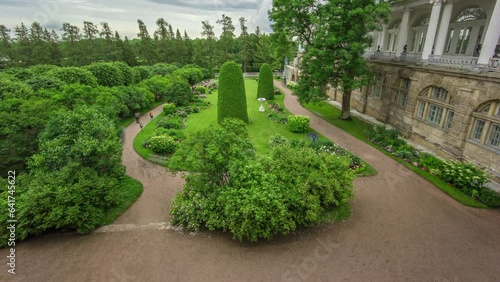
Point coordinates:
[[151, 114], [137, 117], [140, 124]]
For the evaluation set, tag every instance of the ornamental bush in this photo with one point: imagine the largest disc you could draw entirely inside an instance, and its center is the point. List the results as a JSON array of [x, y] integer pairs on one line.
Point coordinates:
[[162, 144], [266, 86], [169, 109], [298, 123], [179, 92], [464, 176], [141, 73], [171, 122], [127, 72], [71, 75], [107, 74], [232, 101]]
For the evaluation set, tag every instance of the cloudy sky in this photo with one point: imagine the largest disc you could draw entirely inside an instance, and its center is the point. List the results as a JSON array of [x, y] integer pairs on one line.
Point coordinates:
[[122, 15]]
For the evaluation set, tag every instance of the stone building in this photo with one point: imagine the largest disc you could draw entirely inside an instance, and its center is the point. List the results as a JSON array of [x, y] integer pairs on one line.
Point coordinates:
[[437, 78]]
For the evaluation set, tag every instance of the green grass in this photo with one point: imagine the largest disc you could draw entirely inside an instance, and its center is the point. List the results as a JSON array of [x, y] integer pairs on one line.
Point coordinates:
[[355, 127], [260, 128], [130, 191]]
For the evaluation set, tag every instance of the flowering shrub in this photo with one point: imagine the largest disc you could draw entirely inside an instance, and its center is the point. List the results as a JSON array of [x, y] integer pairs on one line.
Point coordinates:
[[464, 176], [328, 147], [162, 144], [298, 123], [174, 122], [278, 117]]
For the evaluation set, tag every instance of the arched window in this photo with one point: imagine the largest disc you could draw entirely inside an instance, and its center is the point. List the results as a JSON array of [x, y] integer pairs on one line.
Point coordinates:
[[379, 85], [435, 107], [419, 32], [470, 14], [486, 125], [466, 32], [402, 87]]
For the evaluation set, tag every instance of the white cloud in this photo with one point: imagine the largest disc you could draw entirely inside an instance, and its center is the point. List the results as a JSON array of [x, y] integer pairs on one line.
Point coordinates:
[[122, 15]]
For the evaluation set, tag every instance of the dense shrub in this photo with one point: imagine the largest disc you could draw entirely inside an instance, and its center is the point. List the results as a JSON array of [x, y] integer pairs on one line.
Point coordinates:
[[192, 75], [430, 162], [266, 86], [278, 117], [20, 73], [44, 82], [70, 75], [136, 98], [127, 72], [171, 122], [162, 144], [107, 74], [278, 140], [169, 109], [232, 101], [163, 69], [75, 176], [489, 197], [158, 85], [178, 135], [42, 69], [464, 176], [298, 123], [141, 73], [179, 93], [201, 89], [257, 197]]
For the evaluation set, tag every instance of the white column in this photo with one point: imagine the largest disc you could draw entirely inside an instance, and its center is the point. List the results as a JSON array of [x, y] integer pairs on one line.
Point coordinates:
[[403, 32], [443, 29], [431, 29], [381, 38], [491, 37]]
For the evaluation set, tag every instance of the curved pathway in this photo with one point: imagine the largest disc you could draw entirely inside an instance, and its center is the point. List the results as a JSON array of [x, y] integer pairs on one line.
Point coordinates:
[[402, 229]]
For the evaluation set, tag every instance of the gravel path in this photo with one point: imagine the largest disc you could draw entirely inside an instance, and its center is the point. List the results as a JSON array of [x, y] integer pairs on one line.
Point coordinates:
[[402, 229]]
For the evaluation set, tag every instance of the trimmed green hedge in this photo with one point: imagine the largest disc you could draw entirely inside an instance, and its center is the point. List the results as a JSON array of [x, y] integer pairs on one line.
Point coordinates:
[[107, 74], [266, 86], [232, 96]]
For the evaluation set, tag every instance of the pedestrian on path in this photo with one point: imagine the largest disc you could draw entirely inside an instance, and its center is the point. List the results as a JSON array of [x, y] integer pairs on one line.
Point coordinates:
[[137, 115], [140, 124], [151, 114]]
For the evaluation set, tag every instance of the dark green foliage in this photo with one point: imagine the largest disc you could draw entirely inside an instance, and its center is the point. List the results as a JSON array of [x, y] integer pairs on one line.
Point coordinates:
[[169, 109], [298, 123], [127, 72], [163, 69], [179, 93], [19, 73], [430, 162], [201, 89], [158, 85], [136, 97], [75, 176], [70, 75], [44, 82], [232, 101], [107, 74], [489, 197], [191, 75], [42, 69], [257, 197], [171, 122], [266, 85], [141, 73]]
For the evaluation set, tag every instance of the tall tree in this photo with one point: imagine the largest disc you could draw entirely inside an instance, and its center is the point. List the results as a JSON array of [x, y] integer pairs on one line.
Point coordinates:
[[6, 56], [227, 36], [147, 48], [41, 52], [89, 43], [335, 34], [244, 50], [71, 51], [23, 48], [208, 48]]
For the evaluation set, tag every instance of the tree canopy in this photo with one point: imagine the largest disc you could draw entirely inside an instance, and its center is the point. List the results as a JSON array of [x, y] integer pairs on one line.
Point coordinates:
[[335, 35]]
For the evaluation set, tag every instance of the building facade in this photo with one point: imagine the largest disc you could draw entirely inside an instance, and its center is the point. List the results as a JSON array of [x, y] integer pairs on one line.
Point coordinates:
[[437, 78]]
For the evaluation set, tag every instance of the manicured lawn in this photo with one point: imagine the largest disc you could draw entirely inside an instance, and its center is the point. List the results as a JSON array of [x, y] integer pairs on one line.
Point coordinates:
[[356, 127], [260, 129]]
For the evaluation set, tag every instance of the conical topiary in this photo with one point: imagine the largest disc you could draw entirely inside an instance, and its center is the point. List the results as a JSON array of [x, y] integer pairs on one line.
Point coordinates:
[[232, 100], [266, 87]]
